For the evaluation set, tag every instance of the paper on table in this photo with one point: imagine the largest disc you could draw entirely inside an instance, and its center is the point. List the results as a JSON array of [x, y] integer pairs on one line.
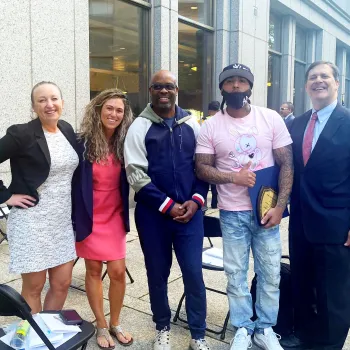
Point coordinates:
[[213, 256], [55, 325], [34, 340], [65, 337]]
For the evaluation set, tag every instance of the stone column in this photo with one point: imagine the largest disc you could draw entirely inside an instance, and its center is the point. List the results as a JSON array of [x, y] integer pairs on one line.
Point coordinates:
[[166, 28], [222, 42], [326, 45], [310, 58], [249, 42], [341, 63], [288, 56]]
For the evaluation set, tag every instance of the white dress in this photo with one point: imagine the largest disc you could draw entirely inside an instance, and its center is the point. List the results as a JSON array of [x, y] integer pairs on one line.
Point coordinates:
[[42, 236]]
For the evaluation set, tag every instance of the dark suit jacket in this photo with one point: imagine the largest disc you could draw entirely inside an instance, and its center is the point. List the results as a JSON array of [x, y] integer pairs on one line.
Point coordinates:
[[289, 121], [320, 200], [82, 196], [26, 147]]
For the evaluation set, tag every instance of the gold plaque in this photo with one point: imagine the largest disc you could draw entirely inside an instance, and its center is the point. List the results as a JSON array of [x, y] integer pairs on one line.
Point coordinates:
[[267, 199]]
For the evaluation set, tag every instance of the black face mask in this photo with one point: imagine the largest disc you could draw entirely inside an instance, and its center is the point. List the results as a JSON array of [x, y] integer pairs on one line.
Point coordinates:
[[236, 100]]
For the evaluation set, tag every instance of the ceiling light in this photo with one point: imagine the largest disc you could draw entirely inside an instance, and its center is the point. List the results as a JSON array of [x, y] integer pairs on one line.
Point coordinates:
[[194, 69], [194, 8], [122, 48], [181, 61]]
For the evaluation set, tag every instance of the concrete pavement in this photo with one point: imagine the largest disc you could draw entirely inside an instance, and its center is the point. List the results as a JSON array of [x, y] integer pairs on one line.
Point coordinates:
[[136, 314]]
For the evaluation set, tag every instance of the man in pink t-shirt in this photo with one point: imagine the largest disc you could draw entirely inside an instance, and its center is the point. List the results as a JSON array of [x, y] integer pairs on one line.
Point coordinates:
[[232, 145]]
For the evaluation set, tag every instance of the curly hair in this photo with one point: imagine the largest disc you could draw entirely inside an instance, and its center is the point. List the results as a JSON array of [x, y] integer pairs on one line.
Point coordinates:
[[91, 129]]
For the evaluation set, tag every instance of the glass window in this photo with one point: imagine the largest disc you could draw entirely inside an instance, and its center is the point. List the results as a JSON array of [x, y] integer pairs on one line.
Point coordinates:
[[273, 82], [299, 88], [275, 33], [118, 50], [198, 10], [300, 44], [195, 68]]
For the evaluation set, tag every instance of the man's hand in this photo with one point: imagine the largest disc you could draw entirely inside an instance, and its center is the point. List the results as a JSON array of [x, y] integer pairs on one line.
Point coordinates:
[[177, 210], [347, 243], [244, 177], [191, 208], [21, 200], [273, 217]]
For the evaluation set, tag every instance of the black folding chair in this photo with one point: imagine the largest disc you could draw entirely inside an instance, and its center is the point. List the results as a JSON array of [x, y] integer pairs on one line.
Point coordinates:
[[13, 304], [103, 276], [211, 229], [4, 211]]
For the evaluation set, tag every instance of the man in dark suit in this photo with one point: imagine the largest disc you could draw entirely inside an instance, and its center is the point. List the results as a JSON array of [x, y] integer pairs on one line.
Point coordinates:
[[320, 213], [286, 112]]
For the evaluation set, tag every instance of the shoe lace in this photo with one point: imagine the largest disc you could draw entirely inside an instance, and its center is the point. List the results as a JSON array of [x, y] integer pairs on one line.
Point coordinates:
[[163, 337], [274, 338], [202, 344], [240, 340]]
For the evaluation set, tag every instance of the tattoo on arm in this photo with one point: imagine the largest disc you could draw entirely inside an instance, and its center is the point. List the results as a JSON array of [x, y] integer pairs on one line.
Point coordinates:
[[206, 171], [284, 158]]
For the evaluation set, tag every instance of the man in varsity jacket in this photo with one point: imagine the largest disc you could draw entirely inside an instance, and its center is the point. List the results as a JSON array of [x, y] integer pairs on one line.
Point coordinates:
[[159, 159]]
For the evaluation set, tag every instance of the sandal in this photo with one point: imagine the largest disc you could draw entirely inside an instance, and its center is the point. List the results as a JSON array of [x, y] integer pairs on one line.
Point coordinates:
[[115, 330], [103, 332]]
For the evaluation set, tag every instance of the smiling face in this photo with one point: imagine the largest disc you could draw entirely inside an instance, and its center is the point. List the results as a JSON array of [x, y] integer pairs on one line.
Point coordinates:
[[47, 103], [321, 86], [163, 92], [112, 114]]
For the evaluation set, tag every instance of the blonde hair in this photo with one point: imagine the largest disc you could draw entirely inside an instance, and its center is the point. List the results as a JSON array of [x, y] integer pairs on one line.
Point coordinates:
[[91, 129]]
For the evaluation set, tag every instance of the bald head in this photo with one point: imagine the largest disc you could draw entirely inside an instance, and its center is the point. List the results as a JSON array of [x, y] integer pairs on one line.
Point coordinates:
[[163, 91], [163, 75]]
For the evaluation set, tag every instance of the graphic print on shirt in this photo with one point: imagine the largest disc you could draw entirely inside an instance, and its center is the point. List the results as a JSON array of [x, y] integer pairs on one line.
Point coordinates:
[[246, 149]]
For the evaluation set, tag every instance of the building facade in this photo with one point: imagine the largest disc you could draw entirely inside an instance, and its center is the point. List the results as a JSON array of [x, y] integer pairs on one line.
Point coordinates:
[[86, 46]]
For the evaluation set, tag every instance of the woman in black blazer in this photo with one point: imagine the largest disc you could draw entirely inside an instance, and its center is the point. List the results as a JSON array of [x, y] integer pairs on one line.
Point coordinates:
[[100, 207], [40, 232]]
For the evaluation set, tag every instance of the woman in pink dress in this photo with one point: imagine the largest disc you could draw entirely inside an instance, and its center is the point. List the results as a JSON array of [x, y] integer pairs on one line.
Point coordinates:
[[100, 208]]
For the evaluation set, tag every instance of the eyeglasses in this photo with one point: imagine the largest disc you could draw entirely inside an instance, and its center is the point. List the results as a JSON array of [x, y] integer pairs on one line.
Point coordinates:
[[284, 109], [159, 87]]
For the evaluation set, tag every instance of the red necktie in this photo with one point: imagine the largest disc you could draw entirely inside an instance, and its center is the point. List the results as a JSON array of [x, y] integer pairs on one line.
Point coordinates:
[[309, 135]]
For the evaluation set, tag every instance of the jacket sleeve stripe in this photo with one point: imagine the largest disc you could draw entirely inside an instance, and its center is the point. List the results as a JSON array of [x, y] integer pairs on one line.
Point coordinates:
[[197, 197], [166, 204]]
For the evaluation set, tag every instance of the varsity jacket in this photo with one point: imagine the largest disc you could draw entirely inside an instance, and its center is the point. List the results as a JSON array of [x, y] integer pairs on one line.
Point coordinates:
[[159, 160]]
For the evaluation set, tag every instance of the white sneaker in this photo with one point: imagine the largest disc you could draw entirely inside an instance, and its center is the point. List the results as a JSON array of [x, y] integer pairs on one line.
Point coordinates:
[[242, 340], [162, 340], [199, 344], [268, 340]]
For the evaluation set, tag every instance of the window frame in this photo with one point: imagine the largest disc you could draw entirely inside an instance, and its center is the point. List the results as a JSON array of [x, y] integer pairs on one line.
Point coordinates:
[[212, 19], [208, 91], [145, 32], [279, 54]]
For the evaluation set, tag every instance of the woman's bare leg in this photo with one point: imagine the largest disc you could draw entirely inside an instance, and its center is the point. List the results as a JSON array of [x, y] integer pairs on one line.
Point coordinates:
[[32, 286]]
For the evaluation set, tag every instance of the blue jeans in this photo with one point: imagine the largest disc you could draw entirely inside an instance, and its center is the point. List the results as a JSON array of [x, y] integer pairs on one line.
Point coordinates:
[[240, 233]]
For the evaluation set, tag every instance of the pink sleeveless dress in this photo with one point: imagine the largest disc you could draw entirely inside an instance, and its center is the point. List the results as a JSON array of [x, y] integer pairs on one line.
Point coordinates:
[[107, 241]]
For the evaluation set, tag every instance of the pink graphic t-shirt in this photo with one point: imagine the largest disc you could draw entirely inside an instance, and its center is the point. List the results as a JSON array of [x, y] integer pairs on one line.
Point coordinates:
[[235, 142]]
